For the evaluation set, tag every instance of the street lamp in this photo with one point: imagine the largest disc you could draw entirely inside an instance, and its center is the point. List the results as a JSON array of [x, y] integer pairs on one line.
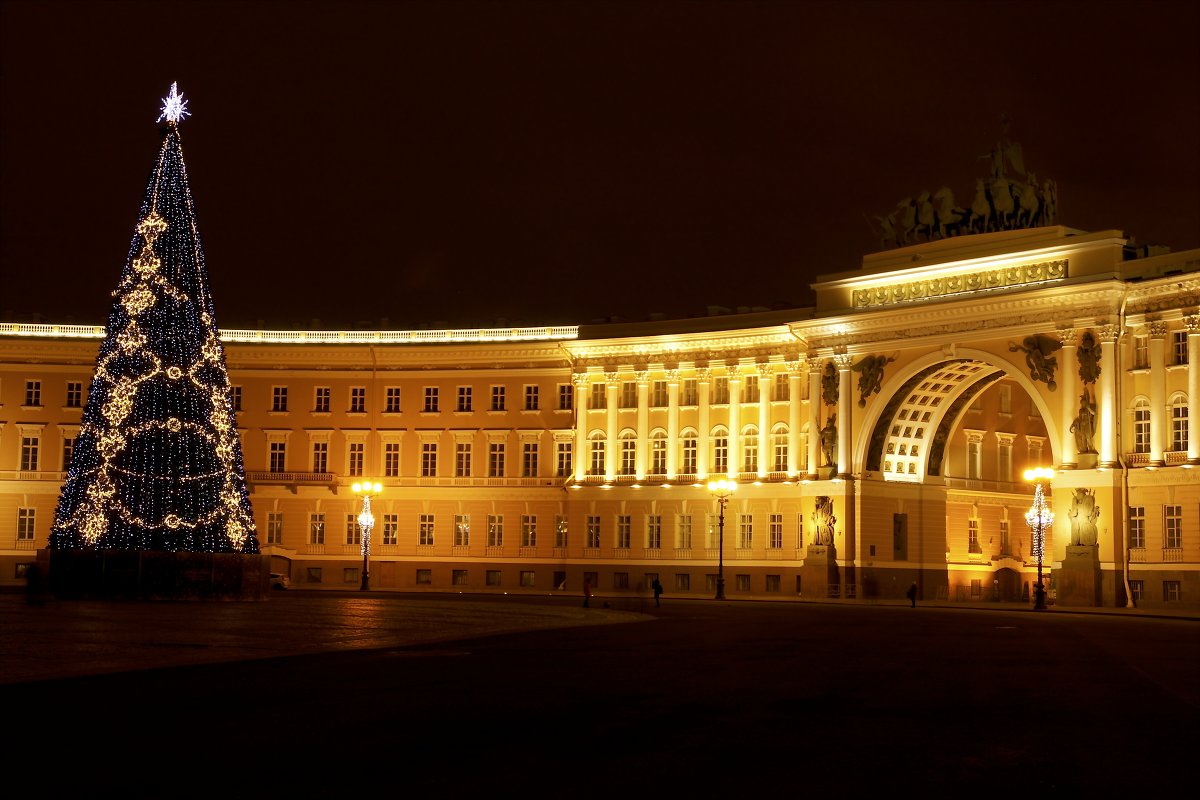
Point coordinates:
[[366, 521], [1040, 518], [722, 489]]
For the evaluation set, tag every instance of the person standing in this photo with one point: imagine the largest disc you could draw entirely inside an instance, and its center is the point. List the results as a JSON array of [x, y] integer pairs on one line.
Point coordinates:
[[657, 586], [911, 594]]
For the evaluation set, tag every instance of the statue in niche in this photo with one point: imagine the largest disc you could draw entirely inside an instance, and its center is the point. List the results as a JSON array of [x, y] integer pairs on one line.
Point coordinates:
[[1084, 425], [870, 370], [829, 437], [1039, 358], [1084, 513], [829, 385], [1088, 356], [823, 522]]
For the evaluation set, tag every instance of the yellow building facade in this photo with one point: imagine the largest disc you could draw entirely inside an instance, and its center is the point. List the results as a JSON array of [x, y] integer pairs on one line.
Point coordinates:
[[876, 440]]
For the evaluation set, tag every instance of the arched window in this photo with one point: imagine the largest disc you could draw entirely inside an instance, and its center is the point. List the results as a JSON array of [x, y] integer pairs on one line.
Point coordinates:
[[596, 443], [628, 453], [779, 448], [720, 451], [658, 453], [688, 445], [1141, 425], [750, 449], [1179, 422]]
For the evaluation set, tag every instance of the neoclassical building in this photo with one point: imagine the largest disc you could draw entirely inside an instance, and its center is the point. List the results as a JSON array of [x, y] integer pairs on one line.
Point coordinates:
[[877, 439]]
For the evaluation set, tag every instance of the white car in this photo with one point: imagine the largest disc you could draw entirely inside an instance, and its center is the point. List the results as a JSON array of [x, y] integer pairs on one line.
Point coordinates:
[[279, 580]]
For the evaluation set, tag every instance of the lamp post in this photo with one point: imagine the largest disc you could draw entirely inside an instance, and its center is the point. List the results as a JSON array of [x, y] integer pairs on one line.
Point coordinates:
[[366, 521], [722, 489], [1040, 518]]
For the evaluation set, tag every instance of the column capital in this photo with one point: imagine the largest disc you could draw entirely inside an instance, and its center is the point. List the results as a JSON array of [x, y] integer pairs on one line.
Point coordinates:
[[703, 374], [1192, 323], [1067, 336], [612, 377], [580, 379], [1157, 328], [672, 375], [766, 370], [1109, 333], [844, 361]]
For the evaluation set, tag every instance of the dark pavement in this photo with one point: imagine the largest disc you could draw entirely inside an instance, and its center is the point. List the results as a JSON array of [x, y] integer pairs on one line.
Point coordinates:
[[343, 694]]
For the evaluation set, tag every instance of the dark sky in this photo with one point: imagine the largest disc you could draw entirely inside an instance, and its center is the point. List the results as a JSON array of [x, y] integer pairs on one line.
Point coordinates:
[[466, 164]]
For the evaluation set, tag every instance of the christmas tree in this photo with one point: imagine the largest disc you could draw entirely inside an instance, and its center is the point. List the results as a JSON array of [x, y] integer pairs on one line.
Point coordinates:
[[158, 464]]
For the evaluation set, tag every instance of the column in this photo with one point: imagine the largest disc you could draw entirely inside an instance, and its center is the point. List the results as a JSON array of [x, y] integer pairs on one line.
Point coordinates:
[[1193, 384], [582, 385], [613, 445], [703, 389], [672, 422], [1158, 393], [794, 417], [766, 453], [1068, 381], [734, 466], [1106, 404], [814, 416], [643, 423], [845, 421]]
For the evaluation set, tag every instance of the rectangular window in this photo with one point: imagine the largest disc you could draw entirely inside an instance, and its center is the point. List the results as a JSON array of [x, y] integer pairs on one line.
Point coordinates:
[[75, 394], [68, 452], [976, 588], [391, 402], [750, 392], [26, 521], [235, 397], [628, 394], [350, 574], [275, 527], [320, 457], [1005, 399], [624, 529], [712, 534], [592, 534], [1004, 461], [773, 583], [1171, 591], [496, 459], [566, 397], [531, 397], [321, 397], [355, 455], [560, 531], [529, 459], [597, 451], [683, 582], [464, 399], [620, 580], [658, 456], [1137, 590], [424, 577], [689, 455], [391, 459], [720, 455], [775, 531], [658, 394], [353, 532], [526, 578], [495, 528], [750, 454], [391, 528], [1141, 429], [1172, 527], [598, 397], [462, 530], [628, 456], [497, 398], [428, 459], [974, 460], [528, 530], [278, 462], [425, 530], [1141, 352], [1137, 526], [683, 532], [1179, 426], [458, 577], [654, 531], [316, 529], [720, 391], [563, 462], [312, 574], [358, 399], [1179, 349], [779, 445], [689, 394], [973, 536], [742, 583], [745, 531], [782, 391], [279, 398], [33, 393], [462, 459], [431, 399]]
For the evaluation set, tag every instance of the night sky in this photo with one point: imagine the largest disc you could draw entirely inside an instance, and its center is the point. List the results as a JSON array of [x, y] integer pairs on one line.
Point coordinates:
[[466, 164]]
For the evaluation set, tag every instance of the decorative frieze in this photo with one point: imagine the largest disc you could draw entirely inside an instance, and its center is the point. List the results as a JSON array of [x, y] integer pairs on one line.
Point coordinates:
[[936, 288]]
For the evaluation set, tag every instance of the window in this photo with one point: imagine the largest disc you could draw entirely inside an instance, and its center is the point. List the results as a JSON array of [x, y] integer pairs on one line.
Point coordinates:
[[33, 393], [628, 454], [275, 527], [1004, 460], [683, 532], [464, 399], [1179, 423], [974, 458], [235, 397], [312, 574], [321, 400], [745, 531], [628, 394], [1172, 527], [658, 394], [358, 399], [689, 393], [1137, 526], [526, 578], [531, 397], [712, 535], [597, 452], [528, 530], [350, 575], [278, 461], [496, 459], [658, 454], [497, 398], [750, 389], [462, 530], [683, 582], [391, 400], [779, 451], [742, 583], [495, 530], [320, 457], [720, 454], [391, 459], [782, 391], [1141, 426], [353, 532], [1141, 350], [26, 520], [1005, 538], [462, 459], [773, 583], [316, 529], [279, 398], [354, 459], [566, 397], [689, 454], [654, 531], [1005, 399], [976, 588], [624, 528], [1179, 349], [750, 452], [424, 577], [598, 397], [391, 527], [30, 446], [563, 461], [775, 532], [1170, 591], [560, 531], [425, 530], [973, 536], [620, 580], [720, 391], [75, 394], [529, 459], [1137, 590], [68, 452], [431, 399], [592, 535], [428, 459], [458, 577], [492, 577]]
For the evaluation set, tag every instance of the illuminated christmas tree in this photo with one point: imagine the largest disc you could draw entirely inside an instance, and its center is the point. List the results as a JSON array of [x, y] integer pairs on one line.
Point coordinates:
[[158, 464]]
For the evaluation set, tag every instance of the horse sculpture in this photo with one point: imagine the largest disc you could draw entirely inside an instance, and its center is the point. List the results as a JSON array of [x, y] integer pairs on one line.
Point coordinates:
[[950, 218]]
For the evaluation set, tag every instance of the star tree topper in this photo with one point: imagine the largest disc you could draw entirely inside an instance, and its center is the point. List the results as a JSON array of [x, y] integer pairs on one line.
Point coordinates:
[[174, 106]]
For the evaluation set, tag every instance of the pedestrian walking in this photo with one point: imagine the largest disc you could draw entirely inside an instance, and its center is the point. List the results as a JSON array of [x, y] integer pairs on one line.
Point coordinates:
[[657, 587], [587, 592], [911, 594]]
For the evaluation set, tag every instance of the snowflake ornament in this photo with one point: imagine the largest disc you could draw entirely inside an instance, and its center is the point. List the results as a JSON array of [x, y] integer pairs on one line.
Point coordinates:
[[174, 106]]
